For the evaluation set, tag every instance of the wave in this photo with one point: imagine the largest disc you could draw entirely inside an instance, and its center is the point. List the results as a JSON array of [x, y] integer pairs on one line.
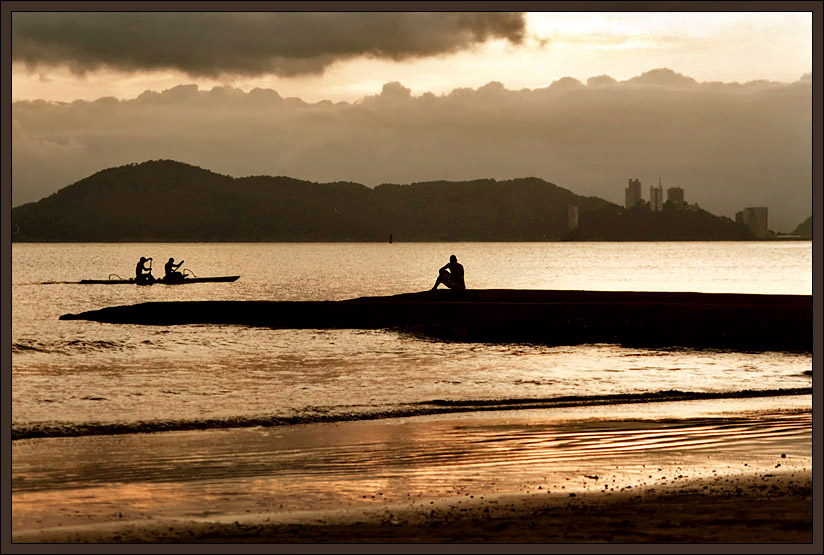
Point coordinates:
[[74, 346], [30, 346], [621, 398], [423, 408]]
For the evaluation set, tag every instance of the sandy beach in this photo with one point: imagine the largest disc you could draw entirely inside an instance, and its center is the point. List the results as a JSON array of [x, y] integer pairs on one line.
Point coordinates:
[[736, 471], [755, 507]]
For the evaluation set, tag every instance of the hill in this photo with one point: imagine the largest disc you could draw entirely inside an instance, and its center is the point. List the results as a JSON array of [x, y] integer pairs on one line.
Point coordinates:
[[673, 223], [164, 200], [805, 229]]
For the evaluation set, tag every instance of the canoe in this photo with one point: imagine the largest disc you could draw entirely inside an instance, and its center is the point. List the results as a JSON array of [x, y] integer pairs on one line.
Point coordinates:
[[184, 281]]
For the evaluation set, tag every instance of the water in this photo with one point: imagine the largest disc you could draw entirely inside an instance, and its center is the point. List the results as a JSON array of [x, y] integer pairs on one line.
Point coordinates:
[[80, 378]]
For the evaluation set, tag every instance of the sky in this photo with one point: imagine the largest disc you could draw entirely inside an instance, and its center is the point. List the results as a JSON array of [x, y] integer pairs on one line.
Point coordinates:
[[716, 103]]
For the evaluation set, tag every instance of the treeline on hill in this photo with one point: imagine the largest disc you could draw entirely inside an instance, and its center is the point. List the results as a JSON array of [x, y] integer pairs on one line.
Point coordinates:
[[170, 201]]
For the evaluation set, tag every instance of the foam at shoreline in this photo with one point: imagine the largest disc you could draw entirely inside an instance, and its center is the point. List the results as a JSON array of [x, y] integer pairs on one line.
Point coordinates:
[[345, 414], [732, 471]]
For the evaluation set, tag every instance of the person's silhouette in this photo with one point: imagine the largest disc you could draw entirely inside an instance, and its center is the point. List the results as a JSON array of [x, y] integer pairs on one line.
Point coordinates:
[[451, 275], [171, 270], [142, 274]]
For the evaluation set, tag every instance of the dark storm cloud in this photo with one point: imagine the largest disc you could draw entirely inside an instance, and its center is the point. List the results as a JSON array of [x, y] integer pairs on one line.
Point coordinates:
[[210, 44], [729, 145]]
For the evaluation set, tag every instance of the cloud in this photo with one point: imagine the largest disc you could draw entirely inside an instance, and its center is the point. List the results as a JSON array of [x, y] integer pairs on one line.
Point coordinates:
[[728, 145], [663, 77], [218, 43], [601, 81]]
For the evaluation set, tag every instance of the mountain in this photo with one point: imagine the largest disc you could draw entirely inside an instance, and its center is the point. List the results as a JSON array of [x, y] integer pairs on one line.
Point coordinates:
[[674, 223], [164, 200], [805, 229]]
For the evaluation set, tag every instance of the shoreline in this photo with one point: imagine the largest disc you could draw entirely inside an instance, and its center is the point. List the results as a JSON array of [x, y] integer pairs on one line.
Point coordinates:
[[728, 471], [755, 507], [435, 407]]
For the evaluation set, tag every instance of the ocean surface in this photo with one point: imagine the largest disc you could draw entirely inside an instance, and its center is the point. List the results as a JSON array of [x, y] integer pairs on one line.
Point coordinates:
[[78, 378]]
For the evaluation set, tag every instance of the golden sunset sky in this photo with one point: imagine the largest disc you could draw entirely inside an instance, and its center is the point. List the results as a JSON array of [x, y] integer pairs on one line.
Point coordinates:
[[717, 103], [709, 46]]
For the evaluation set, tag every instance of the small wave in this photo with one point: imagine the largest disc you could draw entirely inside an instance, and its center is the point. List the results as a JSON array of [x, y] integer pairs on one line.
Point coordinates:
[[326, 414], [74, 346], [534, 382], [29, 347], [97, 345], [621, 398]]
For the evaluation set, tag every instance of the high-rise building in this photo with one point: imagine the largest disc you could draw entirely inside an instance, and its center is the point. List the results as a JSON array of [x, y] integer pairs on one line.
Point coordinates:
[[656, 197], [572, 215], [756, 220], [675, 195], [632, 194]]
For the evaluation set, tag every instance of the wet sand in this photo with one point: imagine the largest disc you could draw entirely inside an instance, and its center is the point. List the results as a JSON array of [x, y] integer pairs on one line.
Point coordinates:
[[762, 507], [733, 471]]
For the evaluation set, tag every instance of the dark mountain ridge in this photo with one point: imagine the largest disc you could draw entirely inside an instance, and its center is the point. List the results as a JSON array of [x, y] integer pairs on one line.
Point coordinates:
[[165, 200], [169, 201]]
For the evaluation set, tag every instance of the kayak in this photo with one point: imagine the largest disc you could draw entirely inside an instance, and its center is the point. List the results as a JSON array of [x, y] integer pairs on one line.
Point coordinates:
[[183, 281]]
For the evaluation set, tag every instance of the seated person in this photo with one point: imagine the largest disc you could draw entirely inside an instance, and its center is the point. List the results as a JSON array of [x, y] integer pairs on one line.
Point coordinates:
[[171, 271], [451, 275], [142, 273]]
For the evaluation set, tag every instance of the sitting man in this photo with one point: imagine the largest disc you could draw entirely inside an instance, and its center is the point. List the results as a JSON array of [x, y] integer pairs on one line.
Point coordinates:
[[142, 273], [172, 275], [451, 275]]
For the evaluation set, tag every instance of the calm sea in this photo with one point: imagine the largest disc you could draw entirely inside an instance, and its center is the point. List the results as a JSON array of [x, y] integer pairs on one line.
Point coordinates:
[[77, 378]]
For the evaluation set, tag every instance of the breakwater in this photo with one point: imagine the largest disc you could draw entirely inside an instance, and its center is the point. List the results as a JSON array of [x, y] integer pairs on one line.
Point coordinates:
[[659, 319]]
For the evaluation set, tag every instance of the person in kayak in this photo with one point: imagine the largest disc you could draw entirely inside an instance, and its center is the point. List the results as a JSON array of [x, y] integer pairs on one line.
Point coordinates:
[[451, 275], [171, 271], [142, 273]]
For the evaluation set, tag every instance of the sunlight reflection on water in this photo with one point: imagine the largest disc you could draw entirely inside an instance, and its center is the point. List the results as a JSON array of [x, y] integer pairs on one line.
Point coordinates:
[[77, 371]]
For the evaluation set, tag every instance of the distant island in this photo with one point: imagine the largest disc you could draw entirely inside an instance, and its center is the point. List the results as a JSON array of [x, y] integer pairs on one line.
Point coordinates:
[[169, 201], [805, 229]]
